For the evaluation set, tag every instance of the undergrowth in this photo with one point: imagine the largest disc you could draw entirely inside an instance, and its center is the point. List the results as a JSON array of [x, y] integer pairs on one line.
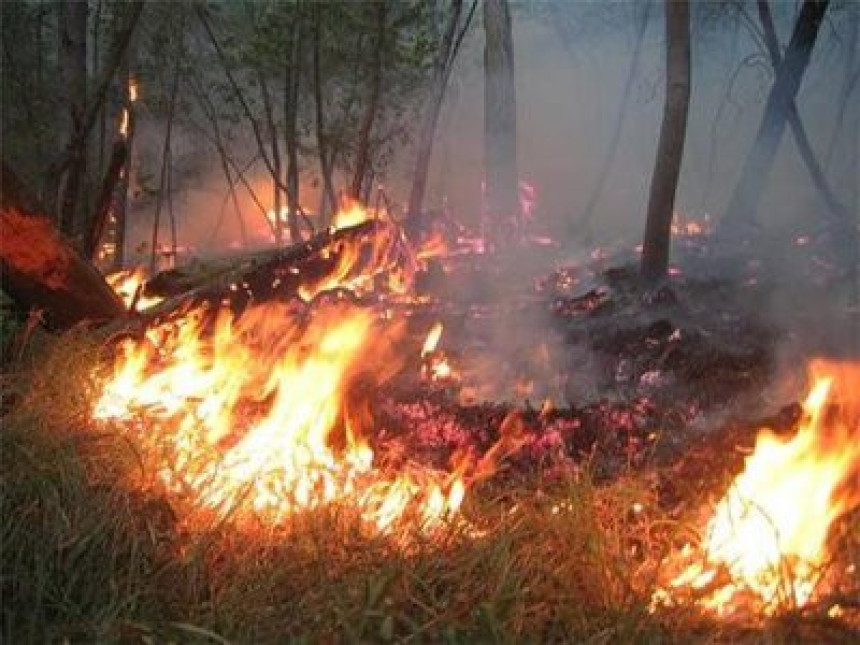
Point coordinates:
[[88, 558]]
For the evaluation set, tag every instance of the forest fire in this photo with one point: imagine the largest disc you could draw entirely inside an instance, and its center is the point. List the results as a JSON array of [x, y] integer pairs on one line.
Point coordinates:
[[258, 413], [765, 547]]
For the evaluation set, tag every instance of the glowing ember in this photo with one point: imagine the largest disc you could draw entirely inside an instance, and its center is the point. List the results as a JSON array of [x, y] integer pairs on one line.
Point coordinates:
[[259, 416], [765, 546], [128, 284]]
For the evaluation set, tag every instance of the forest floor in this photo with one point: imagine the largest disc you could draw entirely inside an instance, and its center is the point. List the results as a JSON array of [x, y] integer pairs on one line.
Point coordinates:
[[657, 396]]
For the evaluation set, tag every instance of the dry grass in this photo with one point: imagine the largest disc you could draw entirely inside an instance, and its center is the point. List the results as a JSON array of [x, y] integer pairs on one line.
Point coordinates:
[[87, 558]]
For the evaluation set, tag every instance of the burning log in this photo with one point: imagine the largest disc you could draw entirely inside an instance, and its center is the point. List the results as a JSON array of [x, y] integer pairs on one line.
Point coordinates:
[[41, 270], [353, 256]]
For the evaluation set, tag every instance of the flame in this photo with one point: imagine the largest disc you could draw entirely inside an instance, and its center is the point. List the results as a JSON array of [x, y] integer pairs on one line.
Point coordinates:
[[128, 284], [256, 416], [352, 213], [132, 89], [769, 532], [432, 339], [435, 365]]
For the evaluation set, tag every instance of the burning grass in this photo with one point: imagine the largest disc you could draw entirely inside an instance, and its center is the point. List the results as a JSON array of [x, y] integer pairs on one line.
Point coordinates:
[[89, 553]]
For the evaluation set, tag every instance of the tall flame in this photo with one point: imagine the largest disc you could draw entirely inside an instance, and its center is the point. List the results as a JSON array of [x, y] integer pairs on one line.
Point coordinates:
[[769, 532]]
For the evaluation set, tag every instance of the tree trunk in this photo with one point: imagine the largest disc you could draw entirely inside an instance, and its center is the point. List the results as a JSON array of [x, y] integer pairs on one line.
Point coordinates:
[[838, 212], [106, 199], [747, 194], [276, 149], [165, 166], [41, 270], [120, 202], [670, 148], [441, 74], [328, 202], [500, 124], [73, 39], [362, 155], [585, 221], [291, 114]]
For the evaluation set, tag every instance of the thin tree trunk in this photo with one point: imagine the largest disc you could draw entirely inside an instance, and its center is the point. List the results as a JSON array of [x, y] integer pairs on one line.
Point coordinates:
[[747, 194], [68, 167], [276, 150], [328, 202], [362, 155], [291, 113], [585, 220], [849, 82], [165, 166], [106, 199], [500, 123], [73, 38], [670, 149], [120, 202], [246, 109], [441, 73], [837, 210]]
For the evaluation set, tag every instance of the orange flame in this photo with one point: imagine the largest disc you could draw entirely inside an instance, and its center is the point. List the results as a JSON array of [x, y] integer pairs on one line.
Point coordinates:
[[256, 416], [352, 213], [769, 532], [128, 284]]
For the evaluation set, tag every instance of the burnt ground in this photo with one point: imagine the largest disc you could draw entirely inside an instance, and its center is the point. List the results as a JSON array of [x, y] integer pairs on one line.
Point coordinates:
[[680, 376]]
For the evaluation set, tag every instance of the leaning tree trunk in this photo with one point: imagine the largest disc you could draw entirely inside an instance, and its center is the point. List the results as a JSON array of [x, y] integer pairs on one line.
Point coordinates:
[[500, 123], [362, 155], [606, 166], [747, 194], [441, 74], [670, 149]]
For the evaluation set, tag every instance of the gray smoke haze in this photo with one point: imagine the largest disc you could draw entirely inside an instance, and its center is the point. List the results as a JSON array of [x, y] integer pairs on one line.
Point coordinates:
[[571, 63]]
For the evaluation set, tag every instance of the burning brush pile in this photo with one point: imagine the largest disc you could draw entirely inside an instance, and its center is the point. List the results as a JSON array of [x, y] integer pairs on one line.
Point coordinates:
[[319, 378]]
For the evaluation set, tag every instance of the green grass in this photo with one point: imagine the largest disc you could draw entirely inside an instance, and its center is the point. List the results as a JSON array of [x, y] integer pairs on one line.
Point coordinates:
[[88, 558]]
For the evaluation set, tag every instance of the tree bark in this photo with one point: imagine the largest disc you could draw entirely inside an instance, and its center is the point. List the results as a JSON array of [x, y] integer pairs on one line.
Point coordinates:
[[585, 220], [362, 155], [165, 166], [73, 39], [328, 202], [838, 212], [670, 148], [500, 124], [291, 114], [106, 199], [747, 194], [69, 168], [439, 82], [41, 270], [276, 150]]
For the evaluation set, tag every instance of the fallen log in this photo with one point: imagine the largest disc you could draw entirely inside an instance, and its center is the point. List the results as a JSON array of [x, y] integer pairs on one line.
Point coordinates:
[[325, 262], [40, 270]]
